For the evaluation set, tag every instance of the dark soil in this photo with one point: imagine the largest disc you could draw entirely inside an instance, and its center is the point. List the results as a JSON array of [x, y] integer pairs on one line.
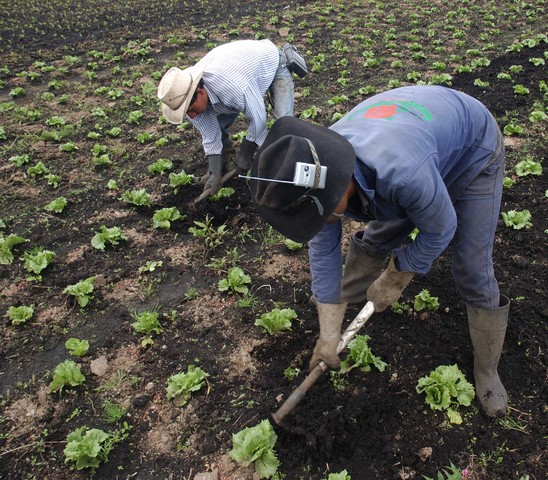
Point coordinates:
[[375, 424]]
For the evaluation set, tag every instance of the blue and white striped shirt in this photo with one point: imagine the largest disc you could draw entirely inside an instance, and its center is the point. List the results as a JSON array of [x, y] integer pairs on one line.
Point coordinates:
[[236, 77]]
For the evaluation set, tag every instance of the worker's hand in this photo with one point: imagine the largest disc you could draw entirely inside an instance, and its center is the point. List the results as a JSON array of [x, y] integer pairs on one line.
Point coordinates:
[[215, 173], [388, 288], [330, 318], [244, 159]]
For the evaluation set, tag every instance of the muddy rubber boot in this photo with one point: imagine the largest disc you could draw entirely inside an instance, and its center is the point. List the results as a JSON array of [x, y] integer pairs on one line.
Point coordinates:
[[487, 331], [360, 270]]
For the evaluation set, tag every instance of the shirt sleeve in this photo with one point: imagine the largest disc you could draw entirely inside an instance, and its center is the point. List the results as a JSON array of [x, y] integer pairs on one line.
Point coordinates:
[[208, 126], [325, 256], [428, 205]]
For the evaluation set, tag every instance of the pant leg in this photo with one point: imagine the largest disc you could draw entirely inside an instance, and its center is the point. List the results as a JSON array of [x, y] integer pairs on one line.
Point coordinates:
[[281, 91], [225, 120], [477, 212], [380, 238]]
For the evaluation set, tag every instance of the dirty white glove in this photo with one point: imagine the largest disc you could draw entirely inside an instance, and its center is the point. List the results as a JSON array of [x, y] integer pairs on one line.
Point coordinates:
[[388, 288], [330, 319]]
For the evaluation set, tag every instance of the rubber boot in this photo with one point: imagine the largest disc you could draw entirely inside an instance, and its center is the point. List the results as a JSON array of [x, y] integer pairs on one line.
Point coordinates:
[[360, 270], [487, 331]]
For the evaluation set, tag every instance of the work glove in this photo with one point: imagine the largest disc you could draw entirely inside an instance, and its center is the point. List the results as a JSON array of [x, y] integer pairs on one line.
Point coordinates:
[[214, 174], [244, 159], [330, 318], [388, 287]]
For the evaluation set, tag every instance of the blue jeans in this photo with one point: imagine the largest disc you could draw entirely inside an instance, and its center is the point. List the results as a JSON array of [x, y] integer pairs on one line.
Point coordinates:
[[281, 91], [477, 210]]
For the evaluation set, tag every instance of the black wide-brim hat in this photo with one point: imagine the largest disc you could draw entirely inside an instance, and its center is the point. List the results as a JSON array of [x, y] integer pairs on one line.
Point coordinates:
[[299, 213]]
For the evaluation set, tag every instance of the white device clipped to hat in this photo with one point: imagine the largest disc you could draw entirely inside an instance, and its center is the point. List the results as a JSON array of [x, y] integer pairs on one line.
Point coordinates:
[[303, 176]]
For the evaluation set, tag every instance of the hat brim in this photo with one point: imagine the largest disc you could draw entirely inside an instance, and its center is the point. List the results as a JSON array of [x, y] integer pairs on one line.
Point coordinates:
[[177, 116], [303, 222]]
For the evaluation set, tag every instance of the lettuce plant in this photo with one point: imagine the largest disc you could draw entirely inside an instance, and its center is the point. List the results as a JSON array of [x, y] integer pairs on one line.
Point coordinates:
[[6, 247], [516, 219], [446, 388], [256, 445], [146, 322], [181, 385], [276, 320], [160, 165], [81, 291], [19, 315], [37, 260], [235, 282], [76, 347], [111, 236], [88, 448], [66, 374], [180, 179], [139, 197], [528, 167], [57, 205], [424, 301], [339, 476], [222, 193], [163, 217], [291, 245], [360, 356]]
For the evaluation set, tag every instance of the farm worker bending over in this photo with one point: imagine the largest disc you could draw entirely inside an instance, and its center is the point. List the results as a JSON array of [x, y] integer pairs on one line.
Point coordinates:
[[230, 79], [424, 156]]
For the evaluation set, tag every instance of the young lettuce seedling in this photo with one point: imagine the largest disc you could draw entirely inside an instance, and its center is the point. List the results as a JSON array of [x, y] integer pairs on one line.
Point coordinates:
[[256, 445], [111, 236], [277, 320], [516, 219], [424, 301], [446, 388], [20, 315], [81, 291], [35, 261], [76, 347], [66, 374], [181, 385], [162, 218], [235, 282], [6, 246]]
